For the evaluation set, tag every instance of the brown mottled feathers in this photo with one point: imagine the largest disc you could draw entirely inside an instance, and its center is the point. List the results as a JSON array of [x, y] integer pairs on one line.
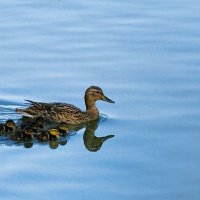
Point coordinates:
[[56, 111]]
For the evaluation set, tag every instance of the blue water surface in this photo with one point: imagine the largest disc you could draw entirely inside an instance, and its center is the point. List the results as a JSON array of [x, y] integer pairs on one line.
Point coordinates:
[[144, 54]]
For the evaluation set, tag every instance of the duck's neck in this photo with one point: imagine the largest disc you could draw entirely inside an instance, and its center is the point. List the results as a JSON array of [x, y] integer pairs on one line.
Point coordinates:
[[91, 108]]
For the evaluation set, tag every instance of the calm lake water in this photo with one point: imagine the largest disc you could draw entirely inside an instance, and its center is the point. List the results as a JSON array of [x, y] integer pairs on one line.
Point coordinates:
[[145, 56]]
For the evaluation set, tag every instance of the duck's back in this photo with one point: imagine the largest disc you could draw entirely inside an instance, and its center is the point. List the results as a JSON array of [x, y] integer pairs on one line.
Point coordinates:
[[67, 113], [59, 112]]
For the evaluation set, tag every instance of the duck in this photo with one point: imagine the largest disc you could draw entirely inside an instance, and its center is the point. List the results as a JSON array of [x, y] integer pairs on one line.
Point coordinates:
[[68, 113]]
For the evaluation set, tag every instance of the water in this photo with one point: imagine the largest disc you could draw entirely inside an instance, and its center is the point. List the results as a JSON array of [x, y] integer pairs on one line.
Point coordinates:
[[145, 56]]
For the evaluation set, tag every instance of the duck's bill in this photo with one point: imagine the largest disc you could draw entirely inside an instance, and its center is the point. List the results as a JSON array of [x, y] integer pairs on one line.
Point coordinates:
[[107, 99]]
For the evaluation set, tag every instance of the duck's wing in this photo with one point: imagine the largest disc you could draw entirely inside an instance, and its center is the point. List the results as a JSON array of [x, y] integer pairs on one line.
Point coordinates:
[[64, 108], [67, 113], [54, 111]]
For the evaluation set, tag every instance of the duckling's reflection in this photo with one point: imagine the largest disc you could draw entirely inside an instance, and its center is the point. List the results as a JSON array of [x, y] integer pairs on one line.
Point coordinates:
[[53, 144], [92, 142], [28, 144]]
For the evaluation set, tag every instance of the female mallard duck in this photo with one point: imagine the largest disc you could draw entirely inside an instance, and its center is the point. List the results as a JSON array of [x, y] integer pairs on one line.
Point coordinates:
[[61, 112]]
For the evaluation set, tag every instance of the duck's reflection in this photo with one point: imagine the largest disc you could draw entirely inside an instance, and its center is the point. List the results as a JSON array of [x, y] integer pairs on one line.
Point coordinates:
[[90, 140]]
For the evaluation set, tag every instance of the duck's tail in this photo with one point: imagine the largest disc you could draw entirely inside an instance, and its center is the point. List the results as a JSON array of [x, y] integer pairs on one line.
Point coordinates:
[[19, 110], [23, 112]]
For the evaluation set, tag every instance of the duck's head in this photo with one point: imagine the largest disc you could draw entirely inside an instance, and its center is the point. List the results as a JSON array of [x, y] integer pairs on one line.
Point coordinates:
[[95, 93], [10, 124], [54, 132]]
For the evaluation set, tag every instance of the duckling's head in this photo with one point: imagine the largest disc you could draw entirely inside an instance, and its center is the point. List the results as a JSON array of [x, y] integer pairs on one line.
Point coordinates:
[[54, 132], [40, 121], [10, 124], [34, 126], [63, 127], [95, 93], [28, 131]]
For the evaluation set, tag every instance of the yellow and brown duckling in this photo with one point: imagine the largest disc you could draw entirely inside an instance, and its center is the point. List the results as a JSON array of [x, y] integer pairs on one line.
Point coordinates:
[[62, 112], [28, 134], [53, 134], [63, 129], [10, 126]]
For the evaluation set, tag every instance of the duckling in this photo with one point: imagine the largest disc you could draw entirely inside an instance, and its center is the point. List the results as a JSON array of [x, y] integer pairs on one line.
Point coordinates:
[[17, 136], [10, 126], [42, 136], [22, 135], [53, 134], [28, 134], [62, 112], [63, 129], [2, 128], [35, 124], [40, 121]]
